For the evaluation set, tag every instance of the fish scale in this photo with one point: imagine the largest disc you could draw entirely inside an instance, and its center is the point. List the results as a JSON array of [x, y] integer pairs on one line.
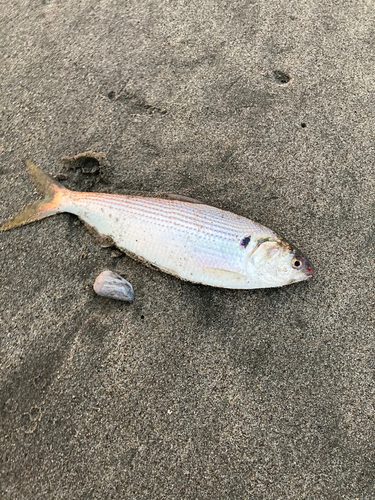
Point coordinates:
[[172, 212]]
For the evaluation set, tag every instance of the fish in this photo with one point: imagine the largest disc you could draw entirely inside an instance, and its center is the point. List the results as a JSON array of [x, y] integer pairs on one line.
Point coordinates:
[[185, 238], [113, 286]]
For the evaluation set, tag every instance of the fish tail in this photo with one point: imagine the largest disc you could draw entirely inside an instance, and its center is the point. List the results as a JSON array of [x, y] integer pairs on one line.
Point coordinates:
[[52, 202]]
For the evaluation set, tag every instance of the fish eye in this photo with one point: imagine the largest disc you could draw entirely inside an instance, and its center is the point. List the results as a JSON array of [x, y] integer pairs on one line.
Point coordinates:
[[296, 263]]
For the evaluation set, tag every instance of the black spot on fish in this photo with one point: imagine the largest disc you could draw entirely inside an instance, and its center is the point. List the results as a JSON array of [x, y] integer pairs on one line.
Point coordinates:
[[245, 241]]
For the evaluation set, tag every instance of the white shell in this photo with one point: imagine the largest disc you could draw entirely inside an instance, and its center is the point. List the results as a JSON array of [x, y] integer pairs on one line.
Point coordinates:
[[113, 286]]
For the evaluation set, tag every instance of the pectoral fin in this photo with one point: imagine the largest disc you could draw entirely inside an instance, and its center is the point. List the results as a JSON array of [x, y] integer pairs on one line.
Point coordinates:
[[224, 275]]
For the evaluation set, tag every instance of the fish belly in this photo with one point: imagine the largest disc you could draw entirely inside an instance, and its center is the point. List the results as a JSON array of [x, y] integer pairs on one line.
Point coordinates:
[[195, 242]]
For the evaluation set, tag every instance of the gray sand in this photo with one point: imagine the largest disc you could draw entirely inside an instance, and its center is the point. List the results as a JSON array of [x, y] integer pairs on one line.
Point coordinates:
[[190, 392]]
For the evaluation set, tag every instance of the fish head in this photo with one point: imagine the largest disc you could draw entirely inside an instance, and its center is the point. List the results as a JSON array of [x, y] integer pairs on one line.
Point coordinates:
[[273, 262]]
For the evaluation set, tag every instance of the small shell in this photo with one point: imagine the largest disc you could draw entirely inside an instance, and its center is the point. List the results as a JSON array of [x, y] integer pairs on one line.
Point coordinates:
[[111, 285]]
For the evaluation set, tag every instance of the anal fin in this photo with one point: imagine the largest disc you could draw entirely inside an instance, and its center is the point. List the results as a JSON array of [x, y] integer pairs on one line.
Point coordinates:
[[103, 240]]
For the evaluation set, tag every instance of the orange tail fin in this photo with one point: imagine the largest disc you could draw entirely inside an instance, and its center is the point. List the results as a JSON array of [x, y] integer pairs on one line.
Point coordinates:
[[53, 193]]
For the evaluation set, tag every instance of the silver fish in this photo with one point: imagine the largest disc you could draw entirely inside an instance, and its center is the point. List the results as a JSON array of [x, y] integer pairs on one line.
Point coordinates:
[[190, 240]]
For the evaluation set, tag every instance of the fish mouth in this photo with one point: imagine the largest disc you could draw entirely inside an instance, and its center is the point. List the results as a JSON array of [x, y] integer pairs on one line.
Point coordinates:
[[308, 268]]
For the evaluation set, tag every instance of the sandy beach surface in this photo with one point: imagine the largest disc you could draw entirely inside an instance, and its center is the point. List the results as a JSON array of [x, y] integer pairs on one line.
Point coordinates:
[[264, 108]]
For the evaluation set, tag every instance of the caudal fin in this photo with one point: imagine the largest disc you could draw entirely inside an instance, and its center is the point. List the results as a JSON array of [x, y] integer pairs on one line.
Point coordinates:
[[50, 204]]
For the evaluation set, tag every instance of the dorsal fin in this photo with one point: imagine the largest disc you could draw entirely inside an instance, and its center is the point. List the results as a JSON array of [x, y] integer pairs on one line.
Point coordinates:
[[181, 197]]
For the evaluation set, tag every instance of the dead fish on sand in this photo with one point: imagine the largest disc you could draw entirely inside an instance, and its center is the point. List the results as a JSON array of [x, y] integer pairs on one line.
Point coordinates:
[[182, 237]]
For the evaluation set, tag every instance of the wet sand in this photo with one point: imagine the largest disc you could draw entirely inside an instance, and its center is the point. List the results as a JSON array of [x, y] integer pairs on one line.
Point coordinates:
[[262, 108]]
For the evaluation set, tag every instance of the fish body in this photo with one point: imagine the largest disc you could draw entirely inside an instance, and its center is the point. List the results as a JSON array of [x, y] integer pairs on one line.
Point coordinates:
[[193, 241]]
